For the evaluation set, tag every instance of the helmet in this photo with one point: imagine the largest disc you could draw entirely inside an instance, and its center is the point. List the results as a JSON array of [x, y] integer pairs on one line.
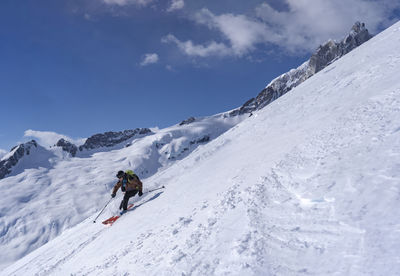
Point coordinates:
[[120, 174]]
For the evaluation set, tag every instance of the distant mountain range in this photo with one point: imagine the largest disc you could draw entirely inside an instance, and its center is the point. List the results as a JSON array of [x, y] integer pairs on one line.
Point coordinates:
[[324, 55]]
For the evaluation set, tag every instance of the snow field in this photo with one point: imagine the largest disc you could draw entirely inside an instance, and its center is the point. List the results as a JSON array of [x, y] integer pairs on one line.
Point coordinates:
[[307, 186], [58, 192]]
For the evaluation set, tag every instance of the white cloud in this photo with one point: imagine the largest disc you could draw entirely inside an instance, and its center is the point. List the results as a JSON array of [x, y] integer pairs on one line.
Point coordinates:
[[2, 153], [176, 5], [189, 48], [128, 2], [49, 138], [300, 28], [304, 26], [149, 59], [170, 68], [242, 32]]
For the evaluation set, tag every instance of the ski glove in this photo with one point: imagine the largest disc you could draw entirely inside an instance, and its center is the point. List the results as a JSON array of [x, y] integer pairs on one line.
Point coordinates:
[[112, 195], [140, 193]]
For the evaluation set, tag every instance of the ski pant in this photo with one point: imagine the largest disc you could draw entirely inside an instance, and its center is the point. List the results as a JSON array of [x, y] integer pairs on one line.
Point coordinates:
[[127, 196]]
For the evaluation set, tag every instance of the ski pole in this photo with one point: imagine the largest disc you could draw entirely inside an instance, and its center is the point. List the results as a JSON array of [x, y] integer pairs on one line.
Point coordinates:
[[155, 189], [102, 210]]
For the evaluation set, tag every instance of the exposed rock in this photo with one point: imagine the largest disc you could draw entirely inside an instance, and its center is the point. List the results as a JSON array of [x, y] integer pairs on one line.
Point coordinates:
[[325, 55], [67, 146], [16, 154], [204, 139], [109, 139], [187, 121], [332, 50]]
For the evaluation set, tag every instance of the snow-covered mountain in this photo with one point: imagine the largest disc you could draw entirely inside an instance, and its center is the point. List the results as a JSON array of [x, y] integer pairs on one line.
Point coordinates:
[[323, 56], [309, 185], [27, 155], [48, 190]]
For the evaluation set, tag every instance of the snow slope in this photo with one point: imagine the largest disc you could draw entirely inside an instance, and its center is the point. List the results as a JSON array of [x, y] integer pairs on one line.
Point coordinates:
[[307, 186], [56, 191]]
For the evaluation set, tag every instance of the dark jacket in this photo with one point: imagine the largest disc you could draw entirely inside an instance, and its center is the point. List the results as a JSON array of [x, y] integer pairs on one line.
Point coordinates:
[[130, 183]]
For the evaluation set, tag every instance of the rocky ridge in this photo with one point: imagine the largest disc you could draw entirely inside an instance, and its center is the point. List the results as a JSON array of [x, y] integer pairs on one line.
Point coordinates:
[[16, 153], [110, 138], [67, 146], [323, 56]]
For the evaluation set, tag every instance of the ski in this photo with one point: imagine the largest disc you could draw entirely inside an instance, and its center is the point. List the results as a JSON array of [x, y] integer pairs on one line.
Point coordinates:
[[112, 219]]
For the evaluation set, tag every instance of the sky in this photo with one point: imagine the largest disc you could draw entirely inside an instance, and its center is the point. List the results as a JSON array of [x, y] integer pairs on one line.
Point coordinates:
[[74, 68]]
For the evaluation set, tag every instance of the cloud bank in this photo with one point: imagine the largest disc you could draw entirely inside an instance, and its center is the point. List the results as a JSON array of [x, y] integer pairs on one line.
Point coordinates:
[[300, 28], [189, 48], [296, 28], [49, 138], [303, 26]]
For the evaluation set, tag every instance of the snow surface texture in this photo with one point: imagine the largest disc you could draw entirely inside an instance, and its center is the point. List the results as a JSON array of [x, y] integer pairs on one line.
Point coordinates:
[[56, 191], [307, 186]]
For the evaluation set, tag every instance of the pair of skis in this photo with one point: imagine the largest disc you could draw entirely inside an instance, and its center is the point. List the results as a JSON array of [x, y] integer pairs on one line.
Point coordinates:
[[112, 219]]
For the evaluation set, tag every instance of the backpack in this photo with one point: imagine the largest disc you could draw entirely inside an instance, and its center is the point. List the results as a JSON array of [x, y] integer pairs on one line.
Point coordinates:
[[130, 177]]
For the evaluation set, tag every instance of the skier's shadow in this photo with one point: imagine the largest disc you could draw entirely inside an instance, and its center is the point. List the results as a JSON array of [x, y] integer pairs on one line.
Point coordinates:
[[150, 199]]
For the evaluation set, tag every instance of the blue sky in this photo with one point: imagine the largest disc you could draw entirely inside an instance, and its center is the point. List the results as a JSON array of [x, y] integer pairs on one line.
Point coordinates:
[[80, 67]]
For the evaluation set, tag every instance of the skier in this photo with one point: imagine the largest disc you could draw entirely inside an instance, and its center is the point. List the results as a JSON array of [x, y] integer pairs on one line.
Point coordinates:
[[130, 184]]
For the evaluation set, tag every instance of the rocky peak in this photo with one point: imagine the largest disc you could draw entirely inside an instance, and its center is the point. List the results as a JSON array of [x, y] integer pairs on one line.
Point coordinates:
[[67, 146], [16, 153], [358, 35], [359, 28], [322, 57], [187, 121], [332, 50], [109, 139]]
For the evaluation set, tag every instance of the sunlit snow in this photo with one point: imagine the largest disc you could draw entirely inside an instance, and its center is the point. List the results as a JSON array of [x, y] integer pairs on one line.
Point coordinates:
[[309, 185]]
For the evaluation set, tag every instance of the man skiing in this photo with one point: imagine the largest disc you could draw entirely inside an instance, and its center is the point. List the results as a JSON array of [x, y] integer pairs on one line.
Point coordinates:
[[130, 184]]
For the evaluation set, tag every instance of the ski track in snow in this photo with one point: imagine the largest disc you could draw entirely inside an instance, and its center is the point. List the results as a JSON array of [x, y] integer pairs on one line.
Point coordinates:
[[310, 185]]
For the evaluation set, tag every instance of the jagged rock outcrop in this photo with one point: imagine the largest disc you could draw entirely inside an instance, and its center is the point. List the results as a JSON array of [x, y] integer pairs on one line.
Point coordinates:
[[14, 156], [67, 146], [332, 50], [324, 55], [187, 121], [109, 139], [204, 139]]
